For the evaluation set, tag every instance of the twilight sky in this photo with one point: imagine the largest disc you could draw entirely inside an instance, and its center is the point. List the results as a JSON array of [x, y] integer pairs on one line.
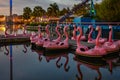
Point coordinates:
[[18, 5]]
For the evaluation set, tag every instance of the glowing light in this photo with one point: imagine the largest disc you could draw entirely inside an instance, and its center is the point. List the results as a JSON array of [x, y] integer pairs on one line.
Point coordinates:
[[2, 28]]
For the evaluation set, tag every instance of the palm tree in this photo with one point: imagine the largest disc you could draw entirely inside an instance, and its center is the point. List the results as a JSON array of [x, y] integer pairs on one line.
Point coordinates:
[[27, 13], [49, 11], [64, 11], [38, 11], [53, 10], [82, 11]]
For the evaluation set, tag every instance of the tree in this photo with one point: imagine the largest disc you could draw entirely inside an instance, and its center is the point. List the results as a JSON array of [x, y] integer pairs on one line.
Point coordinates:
[[83, 11], [27, 13], [49, 11], [63, 11], [109, 10], [38, 11], [53, 10]]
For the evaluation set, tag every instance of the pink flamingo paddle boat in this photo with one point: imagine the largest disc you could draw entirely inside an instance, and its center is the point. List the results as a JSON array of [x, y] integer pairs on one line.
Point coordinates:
[[97, 51], [55, 41], [35, 36], [111, 46], [61, 45], [75, 36], [7, 34], [90, 40], [41, 40], [24, 34]]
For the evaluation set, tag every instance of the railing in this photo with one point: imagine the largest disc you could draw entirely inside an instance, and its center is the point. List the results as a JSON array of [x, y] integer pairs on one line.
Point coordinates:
[[104, 25], [90, 23], [84, 25]]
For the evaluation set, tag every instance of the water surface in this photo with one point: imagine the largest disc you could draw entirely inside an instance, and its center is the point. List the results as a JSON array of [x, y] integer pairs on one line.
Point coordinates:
[[24, 63]]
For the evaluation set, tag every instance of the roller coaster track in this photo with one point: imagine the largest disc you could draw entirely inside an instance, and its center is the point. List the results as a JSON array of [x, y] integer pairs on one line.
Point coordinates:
[[73, 10]]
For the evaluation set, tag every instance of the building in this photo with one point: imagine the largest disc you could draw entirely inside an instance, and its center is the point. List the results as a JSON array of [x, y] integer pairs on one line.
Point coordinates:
[[2, 19]]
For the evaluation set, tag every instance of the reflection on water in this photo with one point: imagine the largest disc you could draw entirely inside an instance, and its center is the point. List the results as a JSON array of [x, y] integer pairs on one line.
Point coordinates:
[[12, 29], [24, 62]]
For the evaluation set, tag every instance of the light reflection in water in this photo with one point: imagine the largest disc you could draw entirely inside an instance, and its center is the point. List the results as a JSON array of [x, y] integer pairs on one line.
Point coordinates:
[[12, 29]]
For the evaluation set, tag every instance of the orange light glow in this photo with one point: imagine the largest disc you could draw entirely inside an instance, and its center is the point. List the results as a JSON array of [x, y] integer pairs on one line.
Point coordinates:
[[2, 28]]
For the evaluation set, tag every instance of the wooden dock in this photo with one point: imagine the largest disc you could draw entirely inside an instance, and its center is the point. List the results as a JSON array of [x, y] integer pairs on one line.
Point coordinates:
[[15, 39], [21, 39], [73, 44]]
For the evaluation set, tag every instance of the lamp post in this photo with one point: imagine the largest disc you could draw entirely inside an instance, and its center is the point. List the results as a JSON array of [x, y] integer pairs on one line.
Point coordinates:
[[92, 9], [10, 20], [10, 7]]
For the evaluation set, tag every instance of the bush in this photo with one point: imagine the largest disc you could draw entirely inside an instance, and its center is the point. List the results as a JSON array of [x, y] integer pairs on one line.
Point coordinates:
[[108, 10], [40, 23]]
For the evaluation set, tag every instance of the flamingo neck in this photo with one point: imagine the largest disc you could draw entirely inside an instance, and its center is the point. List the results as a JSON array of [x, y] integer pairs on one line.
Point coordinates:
[[110, 35], [59, 35], [24, 31], [90, 33], [39, 32], [47, 31], [98, 36], [74, 33], [66, 34], [79, 37], [6, 31]]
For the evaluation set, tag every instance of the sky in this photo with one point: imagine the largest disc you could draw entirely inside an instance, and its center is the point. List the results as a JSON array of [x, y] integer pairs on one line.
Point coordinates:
[[18, 5]]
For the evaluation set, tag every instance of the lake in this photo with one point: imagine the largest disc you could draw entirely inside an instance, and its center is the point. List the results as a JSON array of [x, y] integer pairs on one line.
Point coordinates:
[[25, 62]]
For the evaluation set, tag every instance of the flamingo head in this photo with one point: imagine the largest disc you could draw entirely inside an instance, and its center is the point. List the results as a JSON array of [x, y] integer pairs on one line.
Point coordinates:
[[58, 26], [24, 25], [6, 26], [33, 33], [74, 25], [79, 28], [39, 26], [98, 28], [90, 26], [75, 28], [65, 28], [47, 26], [110, 27]]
